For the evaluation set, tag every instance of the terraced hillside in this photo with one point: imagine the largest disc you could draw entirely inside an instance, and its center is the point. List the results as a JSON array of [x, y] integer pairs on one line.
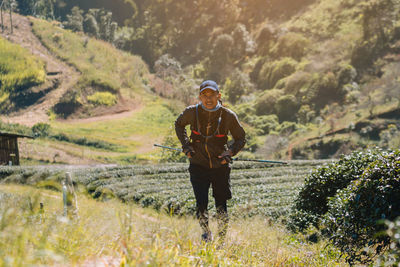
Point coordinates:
[[258, 189]]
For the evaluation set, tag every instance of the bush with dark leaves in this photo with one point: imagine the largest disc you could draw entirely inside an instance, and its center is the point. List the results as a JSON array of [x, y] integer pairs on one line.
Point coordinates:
[[323, 183], [356, 214]]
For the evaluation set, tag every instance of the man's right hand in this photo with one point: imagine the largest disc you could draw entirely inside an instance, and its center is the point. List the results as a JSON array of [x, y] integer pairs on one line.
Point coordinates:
[[189, 151]]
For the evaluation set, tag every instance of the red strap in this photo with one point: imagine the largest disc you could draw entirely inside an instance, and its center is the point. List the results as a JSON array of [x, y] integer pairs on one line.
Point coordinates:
[[220, 135], [196, 133]]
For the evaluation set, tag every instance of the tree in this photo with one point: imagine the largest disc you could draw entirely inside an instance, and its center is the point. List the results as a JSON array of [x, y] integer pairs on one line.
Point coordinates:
[[221, 57], [237, 85], [286, 108], [90, 25], [26, 7], [74, 20]]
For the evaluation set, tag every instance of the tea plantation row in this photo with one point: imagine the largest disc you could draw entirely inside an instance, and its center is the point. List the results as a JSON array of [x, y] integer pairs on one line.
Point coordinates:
[[258, 188]]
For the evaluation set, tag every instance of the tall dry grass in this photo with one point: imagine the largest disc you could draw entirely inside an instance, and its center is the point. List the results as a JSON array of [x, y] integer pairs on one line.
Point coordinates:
[[113, 233]]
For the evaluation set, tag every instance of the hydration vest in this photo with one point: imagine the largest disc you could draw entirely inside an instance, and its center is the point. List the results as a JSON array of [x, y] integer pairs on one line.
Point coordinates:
[[216, 138]]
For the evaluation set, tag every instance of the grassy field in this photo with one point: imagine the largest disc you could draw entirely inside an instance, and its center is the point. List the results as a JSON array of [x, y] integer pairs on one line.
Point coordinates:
[[113, 233], [99, 62], [19, 70], [134, 133]]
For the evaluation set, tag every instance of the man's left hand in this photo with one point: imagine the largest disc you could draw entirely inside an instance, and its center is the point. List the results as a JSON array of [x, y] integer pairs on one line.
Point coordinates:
[[226, 156]]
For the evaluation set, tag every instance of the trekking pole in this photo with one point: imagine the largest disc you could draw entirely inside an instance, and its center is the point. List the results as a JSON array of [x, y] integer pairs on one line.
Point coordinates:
[[235, 159], [261, 160], [168, 147]]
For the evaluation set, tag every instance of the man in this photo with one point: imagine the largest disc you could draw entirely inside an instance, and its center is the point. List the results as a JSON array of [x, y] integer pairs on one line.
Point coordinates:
[[209, 154]]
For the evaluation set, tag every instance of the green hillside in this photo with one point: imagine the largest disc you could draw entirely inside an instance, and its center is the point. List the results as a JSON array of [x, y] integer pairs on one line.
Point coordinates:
[[325, 70], [107, 74], [313, 79], [19, 71]]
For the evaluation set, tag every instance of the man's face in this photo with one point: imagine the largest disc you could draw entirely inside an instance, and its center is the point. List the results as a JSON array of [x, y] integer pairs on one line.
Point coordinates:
[[209, 98]]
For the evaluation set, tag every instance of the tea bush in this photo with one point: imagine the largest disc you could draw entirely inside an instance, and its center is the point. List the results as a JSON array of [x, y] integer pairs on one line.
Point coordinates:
[[323, 183], [355, 212]]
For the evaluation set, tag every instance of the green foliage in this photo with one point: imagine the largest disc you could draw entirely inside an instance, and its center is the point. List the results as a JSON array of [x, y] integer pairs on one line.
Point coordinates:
[[322, 90], [69, 103], [41, 129], [172, 155], [26, 7], [287, 127], [15, 128], [19, 70], [264, 123], [298, 82], [272, 72], [221, 57], [265, 38], [84, 141], [90, 26], [292, 45], [243, 43], [305, 114], [265, 104], [354, 213], [237, 85], [324, 183], [74, 20], [286, 108], [102, 99]]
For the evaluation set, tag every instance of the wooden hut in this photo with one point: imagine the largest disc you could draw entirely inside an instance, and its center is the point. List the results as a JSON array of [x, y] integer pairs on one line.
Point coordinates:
[[9, 154]]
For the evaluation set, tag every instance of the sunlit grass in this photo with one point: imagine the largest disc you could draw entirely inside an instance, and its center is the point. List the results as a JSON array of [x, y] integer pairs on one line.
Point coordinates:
[[150, 124], [99, 62], [18, 69], [115, 233]]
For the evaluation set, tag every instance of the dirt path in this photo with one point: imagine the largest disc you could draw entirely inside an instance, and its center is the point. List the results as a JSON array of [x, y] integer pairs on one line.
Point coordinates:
[[56, 69]]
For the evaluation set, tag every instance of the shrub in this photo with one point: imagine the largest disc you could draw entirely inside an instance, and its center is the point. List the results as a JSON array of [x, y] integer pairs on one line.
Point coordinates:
[[286, 108], [323, 90], [102, 99], [265, 38], [70, 102], [312, 202], [296, 81], [305, 114], [41, 129], [272, 72], [287, 127], [168, 155], [265, 104], [354, 213], [347, 74], [245, 111], [264, 123], [237, 85], [292, 45]]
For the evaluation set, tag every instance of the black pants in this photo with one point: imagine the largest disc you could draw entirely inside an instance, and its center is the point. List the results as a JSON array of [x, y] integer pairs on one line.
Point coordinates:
[[219, 179]]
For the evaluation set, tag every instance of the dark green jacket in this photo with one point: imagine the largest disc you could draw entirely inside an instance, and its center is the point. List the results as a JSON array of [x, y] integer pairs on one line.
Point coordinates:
[[208, 137]]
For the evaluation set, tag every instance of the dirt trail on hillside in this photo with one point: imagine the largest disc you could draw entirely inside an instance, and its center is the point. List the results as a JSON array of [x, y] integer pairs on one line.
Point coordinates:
[[56, 69]]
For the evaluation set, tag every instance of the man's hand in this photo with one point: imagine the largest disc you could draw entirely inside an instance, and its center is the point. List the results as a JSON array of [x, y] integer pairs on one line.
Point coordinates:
[[189, 151], [226, 156]]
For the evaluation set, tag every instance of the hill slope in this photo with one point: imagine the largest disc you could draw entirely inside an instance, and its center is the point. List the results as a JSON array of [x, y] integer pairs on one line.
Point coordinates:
[[98, 94]]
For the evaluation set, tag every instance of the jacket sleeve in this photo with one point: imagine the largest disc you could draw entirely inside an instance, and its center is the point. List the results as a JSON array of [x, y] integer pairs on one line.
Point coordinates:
[[238, 135], [180, 123]]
